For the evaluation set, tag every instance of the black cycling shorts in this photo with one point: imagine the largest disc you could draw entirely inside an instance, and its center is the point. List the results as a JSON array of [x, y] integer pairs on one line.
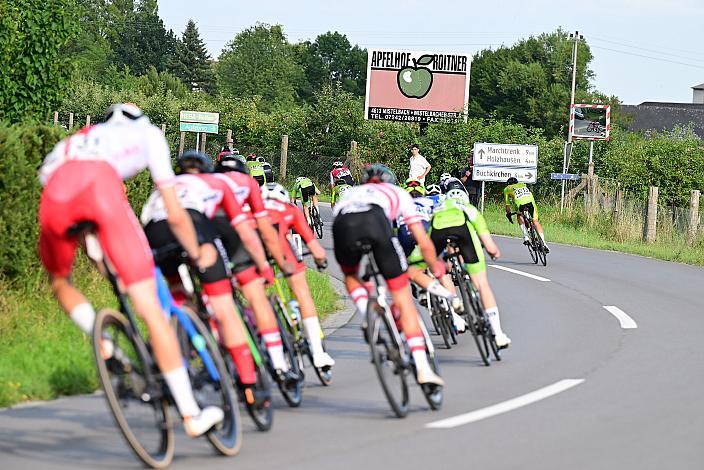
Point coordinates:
[[530, 207], [239, 256], [260, 179], [159, 235], [374, 228], [348, 179], [464, 241], [307, 193]]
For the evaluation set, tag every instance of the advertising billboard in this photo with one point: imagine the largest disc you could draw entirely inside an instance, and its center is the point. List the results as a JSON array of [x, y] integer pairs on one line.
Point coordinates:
[[414, 86]]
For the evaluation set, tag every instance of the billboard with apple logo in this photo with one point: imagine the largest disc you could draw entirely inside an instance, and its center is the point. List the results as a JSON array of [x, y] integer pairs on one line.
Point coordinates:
[[416, 86]]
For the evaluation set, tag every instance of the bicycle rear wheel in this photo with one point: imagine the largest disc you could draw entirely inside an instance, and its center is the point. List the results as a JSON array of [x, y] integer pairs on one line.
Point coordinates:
[[539, 247], [292, 392], [317, 223], [387, 359], [324, 374], [437, 317], [219, 391], [471, 304], [432, 393], [141, 412]]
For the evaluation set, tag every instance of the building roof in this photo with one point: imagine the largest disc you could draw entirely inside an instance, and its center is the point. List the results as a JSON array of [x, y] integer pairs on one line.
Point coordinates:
[[699, 87], [658, 116]]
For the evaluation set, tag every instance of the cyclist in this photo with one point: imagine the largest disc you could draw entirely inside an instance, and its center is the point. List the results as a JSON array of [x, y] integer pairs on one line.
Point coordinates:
[[202, 195], [288, 217], [443, 286], [434, 193], [366, 214], [307, 190], [456, 217], [518, 197], [82, 179], [234, 172], [449, 182], [268, 171], [340, 171], [256, 170], [341, 186]]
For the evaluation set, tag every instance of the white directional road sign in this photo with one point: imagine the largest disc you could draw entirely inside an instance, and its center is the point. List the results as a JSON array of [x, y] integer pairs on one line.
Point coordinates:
[[501, 174], [522, 156], [199, 117]]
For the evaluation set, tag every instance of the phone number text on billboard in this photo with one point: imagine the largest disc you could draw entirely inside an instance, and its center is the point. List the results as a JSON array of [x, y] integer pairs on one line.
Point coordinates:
[[413, 115]]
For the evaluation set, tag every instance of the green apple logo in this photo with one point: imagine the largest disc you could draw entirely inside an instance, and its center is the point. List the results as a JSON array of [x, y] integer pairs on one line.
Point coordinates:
[[415, 82]]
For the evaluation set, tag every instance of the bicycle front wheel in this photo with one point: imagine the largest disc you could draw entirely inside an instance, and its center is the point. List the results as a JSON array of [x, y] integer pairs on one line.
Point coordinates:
[[387, 359], [317, 223], [471, 310], [539, 247], [292, 391], [141, 412]]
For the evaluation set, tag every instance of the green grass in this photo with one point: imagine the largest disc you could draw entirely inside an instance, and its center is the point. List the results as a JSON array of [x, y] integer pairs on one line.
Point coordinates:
[[599, 232], [324, 294]]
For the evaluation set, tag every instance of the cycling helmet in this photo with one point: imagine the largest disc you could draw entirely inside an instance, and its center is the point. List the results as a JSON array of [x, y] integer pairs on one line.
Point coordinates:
[[122, 113], [191, 159], [275, 192], [512, 180], [432, 190], [235, 151], [445, 176], [378, 173], [300, 178], [252, 156], [453, 184], [261, 159], [340, 182], [458, 194], [412, 182], [231, 162], [416, 191], [337, 164]]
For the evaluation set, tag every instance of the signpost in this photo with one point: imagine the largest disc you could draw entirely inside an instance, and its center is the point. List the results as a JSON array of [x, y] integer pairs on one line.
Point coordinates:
[[200, 123], [565, 176], [499, 162]]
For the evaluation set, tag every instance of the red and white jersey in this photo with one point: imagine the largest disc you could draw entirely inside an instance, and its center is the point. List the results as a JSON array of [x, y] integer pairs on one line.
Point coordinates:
[[393, 200], [202, 192], [129, 148], [246, 191], [338, 173], [287, 217]]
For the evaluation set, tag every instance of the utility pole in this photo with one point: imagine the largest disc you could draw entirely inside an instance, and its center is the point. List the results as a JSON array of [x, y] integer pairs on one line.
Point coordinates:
[[576, 37]]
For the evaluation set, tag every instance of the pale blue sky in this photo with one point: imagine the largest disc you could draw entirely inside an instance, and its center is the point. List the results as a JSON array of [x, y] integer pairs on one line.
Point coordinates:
[[644, 50]]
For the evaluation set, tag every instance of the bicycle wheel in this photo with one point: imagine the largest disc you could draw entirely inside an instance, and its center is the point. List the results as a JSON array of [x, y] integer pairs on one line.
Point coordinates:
[[140, 411], [292, 392], [471, 304], [437, 315], [387, 359], [218, 391], [324, 374], [532, 245], [539, 247], [317, 223], [432, 393], [447, 315]]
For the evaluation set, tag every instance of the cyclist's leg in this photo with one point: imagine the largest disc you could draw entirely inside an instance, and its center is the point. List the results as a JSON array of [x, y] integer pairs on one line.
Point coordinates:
[[304, 202], [538, 225], [522, 223], [344, 239]]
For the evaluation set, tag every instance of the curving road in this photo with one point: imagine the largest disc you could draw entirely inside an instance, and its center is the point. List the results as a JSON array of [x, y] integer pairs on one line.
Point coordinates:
[[582, 387]]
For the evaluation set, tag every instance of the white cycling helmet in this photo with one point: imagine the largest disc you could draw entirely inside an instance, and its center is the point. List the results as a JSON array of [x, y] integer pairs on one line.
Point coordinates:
[[458, 194], [300, 178], [122, 113], [275, 192], [432, 190], [445, 176]]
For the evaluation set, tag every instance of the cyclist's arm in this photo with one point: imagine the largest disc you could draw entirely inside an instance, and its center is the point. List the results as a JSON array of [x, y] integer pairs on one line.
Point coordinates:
[[179, 222], [508, 195], [425, 245], [293, 193], [300, 226], [317, 191]]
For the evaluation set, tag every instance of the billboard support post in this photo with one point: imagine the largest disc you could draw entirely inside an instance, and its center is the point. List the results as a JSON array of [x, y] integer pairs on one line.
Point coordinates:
[[483, 186]]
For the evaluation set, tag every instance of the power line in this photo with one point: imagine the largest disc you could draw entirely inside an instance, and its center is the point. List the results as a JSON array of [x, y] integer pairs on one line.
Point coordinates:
[[649, 57]]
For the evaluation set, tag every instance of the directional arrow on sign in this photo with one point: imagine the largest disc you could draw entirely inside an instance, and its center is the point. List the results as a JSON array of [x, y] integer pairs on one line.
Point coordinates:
[[481, 153]]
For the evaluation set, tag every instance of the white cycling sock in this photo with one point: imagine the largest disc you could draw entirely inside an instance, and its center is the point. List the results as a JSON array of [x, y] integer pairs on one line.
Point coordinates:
[[360, 297], [494, 320], [524, 230], [311, 326], [181, 390], [438, 289], [417, 346], [83, 315], [542, 235], [272, 340]]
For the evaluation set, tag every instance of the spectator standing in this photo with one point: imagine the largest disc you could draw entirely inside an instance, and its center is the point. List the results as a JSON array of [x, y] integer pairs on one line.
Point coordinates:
[[419, 166], [474, 188]]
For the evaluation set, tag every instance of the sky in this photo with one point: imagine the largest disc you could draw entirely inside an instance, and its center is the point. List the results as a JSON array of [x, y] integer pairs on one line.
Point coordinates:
[[644, 50]]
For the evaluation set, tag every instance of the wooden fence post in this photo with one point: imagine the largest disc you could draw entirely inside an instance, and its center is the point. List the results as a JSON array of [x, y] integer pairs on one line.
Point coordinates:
[[87, 120], [181, 143], [652, 218], [56, 118], [70, 121], [355, 166], [228, 140], [693, 217], [163, 129], [284, 159], [202, 142]]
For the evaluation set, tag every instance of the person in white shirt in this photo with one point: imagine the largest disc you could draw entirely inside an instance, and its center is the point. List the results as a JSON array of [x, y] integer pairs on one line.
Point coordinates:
[[419, 166]]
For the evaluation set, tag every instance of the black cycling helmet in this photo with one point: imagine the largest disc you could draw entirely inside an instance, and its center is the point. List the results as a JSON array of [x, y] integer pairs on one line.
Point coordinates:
[[378, 173], [191, 159], [453, 184], [512, 180], [230, 161]]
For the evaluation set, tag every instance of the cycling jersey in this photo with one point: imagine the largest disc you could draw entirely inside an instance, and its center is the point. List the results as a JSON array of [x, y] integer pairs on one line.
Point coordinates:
[[394, 201], [424, 208], [246, 191], [338, 191], [305, 189], [518, 194], [129, 148], [256, 171], [341, 173], [287, 217], [453, 213]]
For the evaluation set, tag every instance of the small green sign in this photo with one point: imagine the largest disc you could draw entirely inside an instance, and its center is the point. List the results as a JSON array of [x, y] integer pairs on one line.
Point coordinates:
[[199, 127], [199, 116]]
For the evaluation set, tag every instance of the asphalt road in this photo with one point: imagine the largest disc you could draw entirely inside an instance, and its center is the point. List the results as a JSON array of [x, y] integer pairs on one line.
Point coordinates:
[[633, 399]]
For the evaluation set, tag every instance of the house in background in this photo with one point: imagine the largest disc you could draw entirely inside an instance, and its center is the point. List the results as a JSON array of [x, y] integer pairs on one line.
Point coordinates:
[[656, 116]]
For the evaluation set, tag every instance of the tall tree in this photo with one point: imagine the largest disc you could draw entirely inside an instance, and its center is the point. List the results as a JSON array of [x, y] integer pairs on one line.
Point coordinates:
[[259, 61], [530, 81], [191, 63], [34, 74], [90, 51]]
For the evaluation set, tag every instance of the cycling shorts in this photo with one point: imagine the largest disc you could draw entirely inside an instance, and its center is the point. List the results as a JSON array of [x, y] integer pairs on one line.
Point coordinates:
[[239, 256], [468, 242], [531, 208], [307, 193], [374, 228], [260, 179], [406, 239], [91, 191]]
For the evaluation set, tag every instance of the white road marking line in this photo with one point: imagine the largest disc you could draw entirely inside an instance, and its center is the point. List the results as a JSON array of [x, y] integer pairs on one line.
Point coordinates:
[[626, 322], [520, 273], [505, 406]]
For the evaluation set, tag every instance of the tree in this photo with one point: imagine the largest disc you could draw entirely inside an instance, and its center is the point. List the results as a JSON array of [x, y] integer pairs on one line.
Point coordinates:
[[332, 59], [90, 50], [35, 75], [530, 82], [191, 62], [259, 61]]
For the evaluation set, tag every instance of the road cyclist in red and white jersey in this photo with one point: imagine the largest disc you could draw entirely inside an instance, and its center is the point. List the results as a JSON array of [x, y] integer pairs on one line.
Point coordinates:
[[202, 194], [289, 217], [82, 179], [340, 171], [366, 213], [232, 169]]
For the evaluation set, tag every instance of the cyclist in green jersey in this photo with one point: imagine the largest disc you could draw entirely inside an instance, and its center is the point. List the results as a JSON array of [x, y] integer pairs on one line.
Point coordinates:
[[456, 217], [341, 186], [256, 169], [518, 197], [305, 189]]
